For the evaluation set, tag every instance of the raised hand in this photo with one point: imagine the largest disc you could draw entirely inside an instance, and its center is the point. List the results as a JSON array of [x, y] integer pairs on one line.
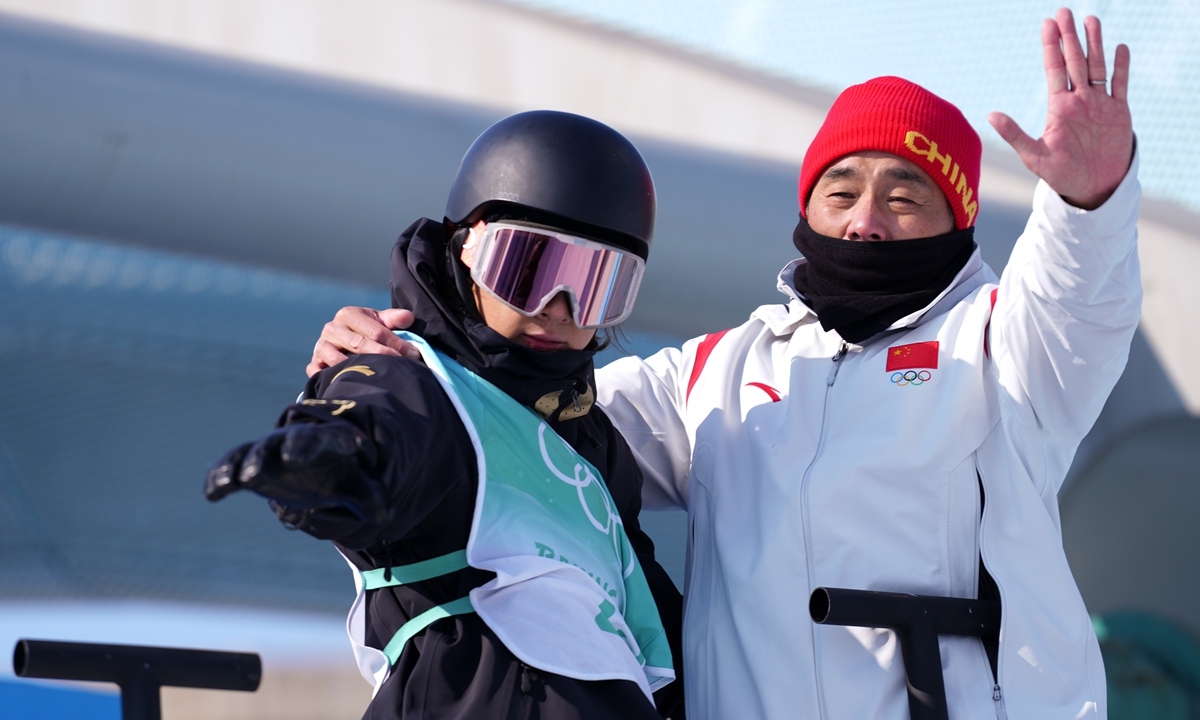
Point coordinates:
[[1087, 145]]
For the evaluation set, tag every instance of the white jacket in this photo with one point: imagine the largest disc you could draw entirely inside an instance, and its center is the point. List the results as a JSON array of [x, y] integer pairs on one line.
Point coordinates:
[[854, 479]]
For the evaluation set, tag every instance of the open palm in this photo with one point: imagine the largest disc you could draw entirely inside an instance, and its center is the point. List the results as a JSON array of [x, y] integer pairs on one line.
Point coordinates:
[[1087, 145]]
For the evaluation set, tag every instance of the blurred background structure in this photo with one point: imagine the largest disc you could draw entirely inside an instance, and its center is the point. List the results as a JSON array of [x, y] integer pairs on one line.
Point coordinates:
[[190, 188]]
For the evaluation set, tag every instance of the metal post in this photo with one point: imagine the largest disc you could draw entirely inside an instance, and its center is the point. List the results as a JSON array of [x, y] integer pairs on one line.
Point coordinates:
[[917, 621], [140, 698], [139, 671]]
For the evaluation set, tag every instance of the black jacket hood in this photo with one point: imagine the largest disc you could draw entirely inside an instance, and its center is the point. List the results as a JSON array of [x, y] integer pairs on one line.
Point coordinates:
[[429, 280]]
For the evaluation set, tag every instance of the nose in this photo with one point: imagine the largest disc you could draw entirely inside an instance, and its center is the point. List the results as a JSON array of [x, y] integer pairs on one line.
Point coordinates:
[[866, 222], [558, 310]]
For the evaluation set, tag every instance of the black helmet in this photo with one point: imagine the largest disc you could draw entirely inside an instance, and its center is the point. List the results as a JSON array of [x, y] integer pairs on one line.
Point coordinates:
[[581, 175]]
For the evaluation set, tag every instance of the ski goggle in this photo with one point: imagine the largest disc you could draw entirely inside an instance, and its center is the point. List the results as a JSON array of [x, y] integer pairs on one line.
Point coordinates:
[[525, 267]]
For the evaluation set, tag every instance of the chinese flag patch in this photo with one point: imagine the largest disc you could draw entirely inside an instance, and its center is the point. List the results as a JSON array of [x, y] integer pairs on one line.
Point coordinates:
[[913, 355]]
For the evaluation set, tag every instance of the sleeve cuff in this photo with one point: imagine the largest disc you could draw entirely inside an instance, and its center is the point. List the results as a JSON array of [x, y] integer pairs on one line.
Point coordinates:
[[1116, 218]]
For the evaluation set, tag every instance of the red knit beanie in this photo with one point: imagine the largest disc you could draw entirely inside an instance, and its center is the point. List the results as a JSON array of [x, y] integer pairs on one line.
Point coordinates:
[[899, 117]]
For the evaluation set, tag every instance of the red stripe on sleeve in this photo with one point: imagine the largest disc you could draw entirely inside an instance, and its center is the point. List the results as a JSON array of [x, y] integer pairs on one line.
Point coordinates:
[[702, 352], [987, 328]]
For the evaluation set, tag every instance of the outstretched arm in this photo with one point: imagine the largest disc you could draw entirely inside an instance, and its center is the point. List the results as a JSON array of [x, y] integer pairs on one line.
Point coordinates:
[[373, 450], [1086, 147]]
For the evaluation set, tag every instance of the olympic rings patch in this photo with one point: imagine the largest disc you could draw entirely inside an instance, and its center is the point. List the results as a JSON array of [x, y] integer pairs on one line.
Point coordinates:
[[911, 377]]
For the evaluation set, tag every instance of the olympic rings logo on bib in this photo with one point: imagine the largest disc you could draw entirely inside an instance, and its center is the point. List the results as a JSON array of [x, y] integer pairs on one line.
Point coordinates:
[[593, 498], [911, 377]]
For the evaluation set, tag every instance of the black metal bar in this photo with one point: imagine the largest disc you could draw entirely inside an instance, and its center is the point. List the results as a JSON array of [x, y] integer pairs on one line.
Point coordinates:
[[917, 621], [139, 671], [140, 698]]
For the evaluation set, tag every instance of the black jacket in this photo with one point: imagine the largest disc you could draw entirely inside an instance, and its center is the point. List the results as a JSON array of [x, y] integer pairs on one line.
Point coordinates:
[[423, 459]]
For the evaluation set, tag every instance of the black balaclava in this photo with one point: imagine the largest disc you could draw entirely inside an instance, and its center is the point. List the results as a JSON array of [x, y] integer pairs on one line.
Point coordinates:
[[858, 289]]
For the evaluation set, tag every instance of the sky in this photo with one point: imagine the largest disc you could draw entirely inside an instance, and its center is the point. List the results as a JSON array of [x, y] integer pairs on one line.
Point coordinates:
[[981, 56]]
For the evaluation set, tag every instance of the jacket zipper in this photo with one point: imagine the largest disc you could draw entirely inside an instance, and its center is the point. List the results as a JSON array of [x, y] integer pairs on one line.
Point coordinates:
[[997, 693], [837, 363], [833, 372], [999, 700], [528, 675]]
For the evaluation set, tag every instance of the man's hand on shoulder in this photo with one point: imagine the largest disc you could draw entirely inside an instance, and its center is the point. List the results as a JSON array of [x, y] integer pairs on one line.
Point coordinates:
[[1087, 145], [361, 331]]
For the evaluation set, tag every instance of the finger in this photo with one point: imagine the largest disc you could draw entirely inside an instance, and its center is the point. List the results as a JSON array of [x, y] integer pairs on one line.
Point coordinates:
[[327, 354], [314, 366], [397, 318], [1072, 49], [1052, 58], [1120, 78], [1095, 56], [359, 320], [372, 328], [261, 461], [222, 477], [368, 337], [1026, 147]]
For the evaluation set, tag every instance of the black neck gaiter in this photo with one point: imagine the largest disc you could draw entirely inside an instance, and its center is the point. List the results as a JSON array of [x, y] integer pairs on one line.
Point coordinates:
[[860, 288]]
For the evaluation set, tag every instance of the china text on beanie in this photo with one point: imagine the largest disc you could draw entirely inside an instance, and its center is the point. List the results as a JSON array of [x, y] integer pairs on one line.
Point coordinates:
[[893, 115]]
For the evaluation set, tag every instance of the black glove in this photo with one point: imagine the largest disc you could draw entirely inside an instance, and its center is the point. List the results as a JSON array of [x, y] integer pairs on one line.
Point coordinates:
[[306, 467]]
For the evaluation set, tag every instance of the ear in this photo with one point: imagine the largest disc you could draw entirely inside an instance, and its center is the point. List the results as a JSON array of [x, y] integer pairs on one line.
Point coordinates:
[[469, 247]]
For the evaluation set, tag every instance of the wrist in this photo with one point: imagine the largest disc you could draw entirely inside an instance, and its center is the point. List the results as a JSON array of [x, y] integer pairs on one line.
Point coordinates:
[[1091, 202]]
